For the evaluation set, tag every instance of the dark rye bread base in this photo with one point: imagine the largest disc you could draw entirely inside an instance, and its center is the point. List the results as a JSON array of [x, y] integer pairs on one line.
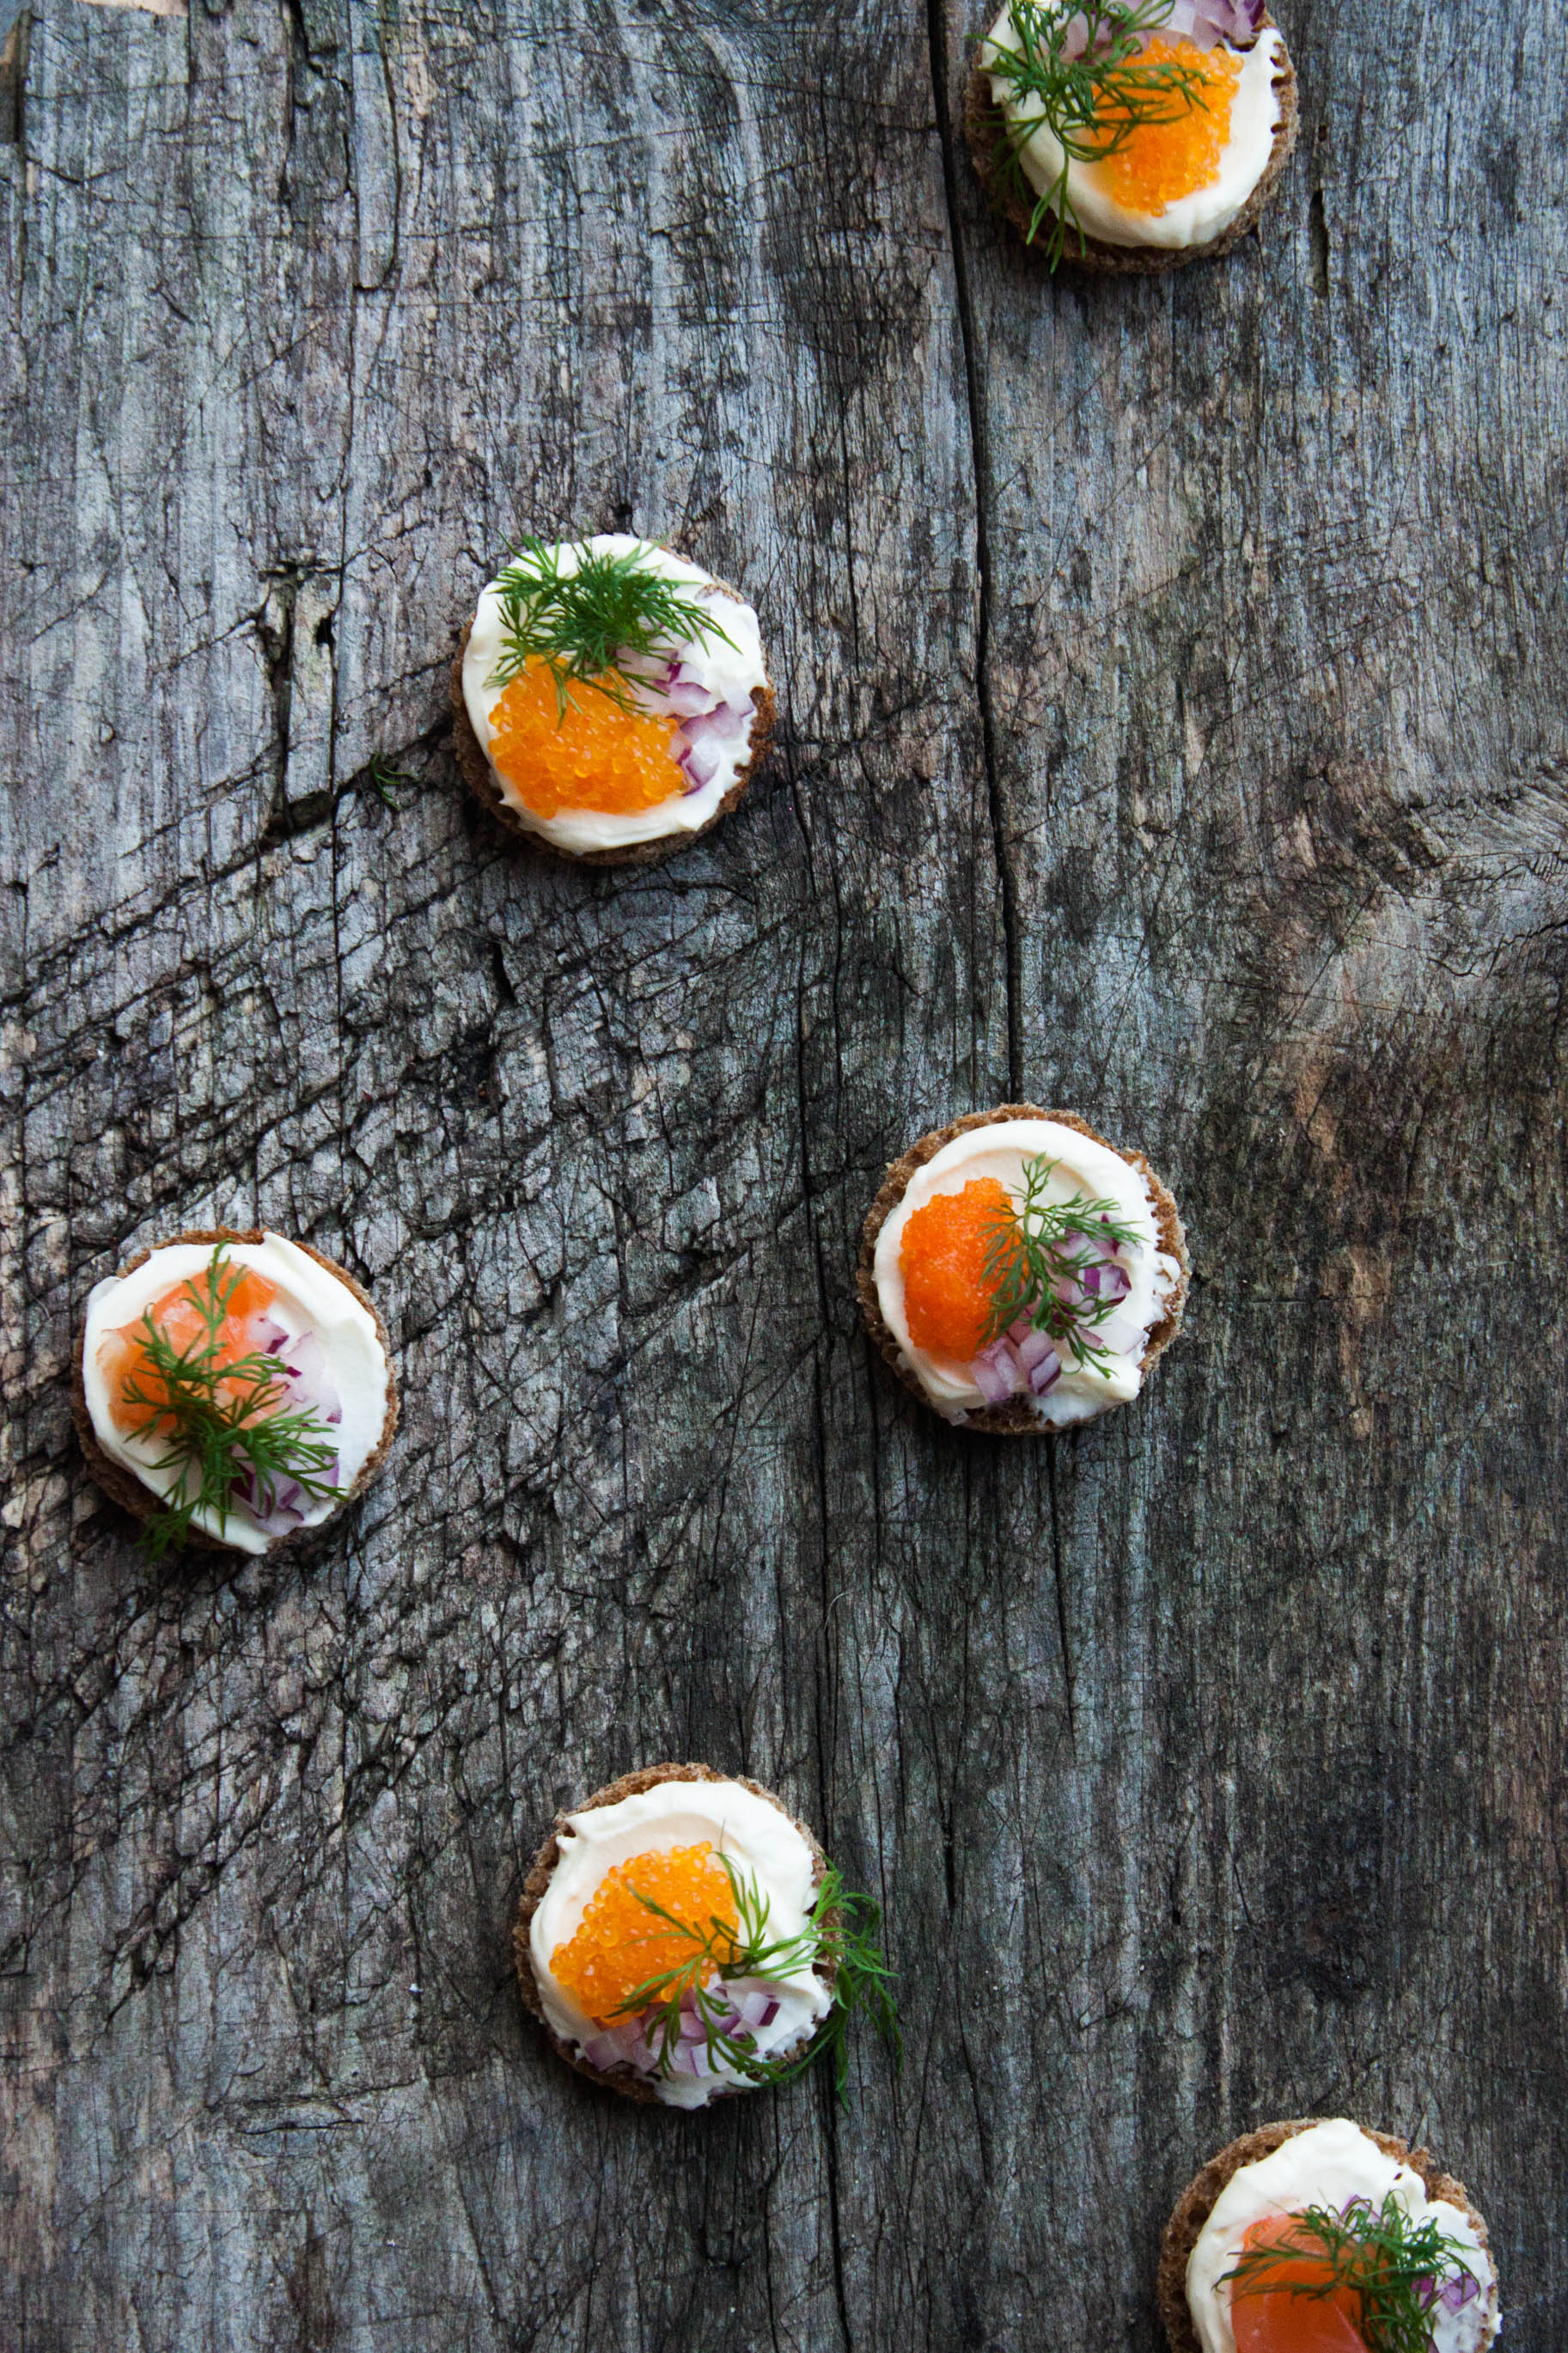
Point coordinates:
[[122, 1486], [480, 778], [625, 2080], [1016, 1418], [1198, 2199], [987, 130]]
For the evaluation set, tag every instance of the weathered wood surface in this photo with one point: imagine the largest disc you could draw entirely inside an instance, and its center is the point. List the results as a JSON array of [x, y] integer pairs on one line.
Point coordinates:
[[1172, 685]]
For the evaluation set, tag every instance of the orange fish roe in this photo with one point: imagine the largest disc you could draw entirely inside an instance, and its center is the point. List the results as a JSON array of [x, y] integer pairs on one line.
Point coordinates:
[[941, 1256], [620, 1944], [1162, 161], [123, 1355], [1292, 2313], [599, 756]]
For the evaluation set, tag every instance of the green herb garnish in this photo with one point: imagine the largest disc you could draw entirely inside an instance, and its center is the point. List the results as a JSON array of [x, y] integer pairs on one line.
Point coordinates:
[[1397, 2270], [584, 625], [1093, 102], [1038, 1244], [840, 1933], [383, 776], [220, 1420]]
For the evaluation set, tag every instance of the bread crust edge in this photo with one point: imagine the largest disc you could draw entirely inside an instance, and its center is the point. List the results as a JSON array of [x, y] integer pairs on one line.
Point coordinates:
[[122, 1486], [625, 2081], [984, 129], [1198, 2202], [1016, 1418]]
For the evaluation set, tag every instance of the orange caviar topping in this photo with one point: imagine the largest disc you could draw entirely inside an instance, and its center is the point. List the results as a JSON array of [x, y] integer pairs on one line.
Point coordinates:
[[123, 1355], [941, 1256], [620, 1944], [1298, 2311], [1162, 161], [599, 756]]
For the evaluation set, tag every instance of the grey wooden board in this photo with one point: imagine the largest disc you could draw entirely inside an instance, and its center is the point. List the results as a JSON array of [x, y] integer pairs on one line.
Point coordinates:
[[1170, 677]]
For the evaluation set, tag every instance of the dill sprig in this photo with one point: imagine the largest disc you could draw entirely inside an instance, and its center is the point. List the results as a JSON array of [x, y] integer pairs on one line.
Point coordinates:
[[840, 1933], [584, 624], [1034, 1245], [1093, 102], [220, 1419], [1396, 2269]]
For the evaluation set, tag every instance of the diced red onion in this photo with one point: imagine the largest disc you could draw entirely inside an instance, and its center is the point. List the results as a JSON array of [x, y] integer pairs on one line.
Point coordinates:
[[700, 760], [1120, 1331], [1202, 22], [1034, 1348], [1220, 20], [1046, 1373], [995, 1371], [687, 701], [310, 1387], [625, 2044]]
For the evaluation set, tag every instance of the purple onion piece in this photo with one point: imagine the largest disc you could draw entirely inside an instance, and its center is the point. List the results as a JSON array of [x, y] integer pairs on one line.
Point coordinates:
[[1035, 1349], [996, 1372], [701, 762], [688, 701], [1045, 1373], [770, 2012]]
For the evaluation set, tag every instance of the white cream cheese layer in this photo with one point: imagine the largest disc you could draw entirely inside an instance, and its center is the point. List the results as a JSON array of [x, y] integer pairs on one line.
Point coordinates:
[[760, 1843], [732, 674], [1084, 1169], [310, 1299], [1328, 2164], [1196, 219]]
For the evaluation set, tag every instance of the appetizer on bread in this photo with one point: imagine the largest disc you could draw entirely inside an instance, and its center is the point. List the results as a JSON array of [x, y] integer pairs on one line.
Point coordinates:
[[683, 1938], [1020, 1273], [233, 1390], [610, 698], [1319, 2237], [1132, 135]]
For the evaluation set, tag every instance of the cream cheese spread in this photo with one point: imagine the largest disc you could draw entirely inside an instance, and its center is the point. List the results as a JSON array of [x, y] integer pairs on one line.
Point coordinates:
[[761, 1841], [1196, 219], [732, 674], [1084, 1169], [309, 1300], [1328, 2164]]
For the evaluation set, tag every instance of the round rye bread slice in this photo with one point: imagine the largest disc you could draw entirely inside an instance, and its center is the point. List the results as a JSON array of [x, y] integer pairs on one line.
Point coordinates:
[[1015, 1417], [123, 1487], [1198, 2199], [625, 2079], [985, 127], [474, 762]]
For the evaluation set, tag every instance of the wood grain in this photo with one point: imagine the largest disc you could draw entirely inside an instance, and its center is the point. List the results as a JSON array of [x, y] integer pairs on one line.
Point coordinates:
[[1170, 727]]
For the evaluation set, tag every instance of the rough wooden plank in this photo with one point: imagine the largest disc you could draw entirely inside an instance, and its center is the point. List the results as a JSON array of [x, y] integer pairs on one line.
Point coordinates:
[[1170, 727]]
